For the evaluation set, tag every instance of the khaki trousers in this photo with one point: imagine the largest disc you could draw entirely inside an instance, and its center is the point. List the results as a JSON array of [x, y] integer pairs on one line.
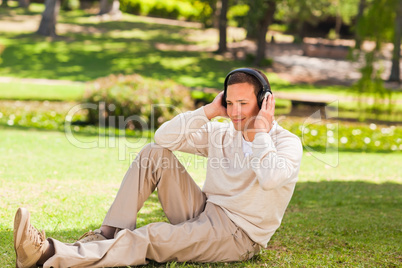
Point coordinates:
[[198, 231]]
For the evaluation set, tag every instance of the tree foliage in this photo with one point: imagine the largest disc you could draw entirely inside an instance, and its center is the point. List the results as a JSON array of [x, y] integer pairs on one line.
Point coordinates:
[[377, 25]]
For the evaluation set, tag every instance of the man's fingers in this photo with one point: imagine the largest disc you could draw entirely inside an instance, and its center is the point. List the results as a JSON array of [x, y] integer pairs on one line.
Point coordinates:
[[264, 104]]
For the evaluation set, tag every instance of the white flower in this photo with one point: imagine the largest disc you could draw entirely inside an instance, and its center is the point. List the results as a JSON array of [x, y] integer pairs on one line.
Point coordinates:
[[330, 133], [394, 147], [12, 117], [306, 130], [344, 140], [69, 118], [386, 130], [1, 115], [356, 132], [331, 140], [10, 122], [314, 132], [367, 140], [377, 143], [373, 126]]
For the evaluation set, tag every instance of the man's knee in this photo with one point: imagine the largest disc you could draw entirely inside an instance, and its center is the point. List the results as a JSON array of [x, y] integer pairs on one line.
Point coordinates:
[[155, 153], [155, 156], [153, 148]]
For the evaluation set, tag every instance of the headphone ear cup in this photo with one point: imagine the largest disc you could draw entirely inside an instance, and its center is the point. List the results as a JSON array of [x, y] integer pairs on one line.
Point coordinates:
[[260, 98], [224, 104]]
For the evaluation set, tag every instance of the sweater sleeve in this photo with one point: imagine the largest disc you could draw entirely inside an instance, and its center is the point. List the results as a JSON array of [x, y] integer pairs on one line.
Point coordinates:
[[186, 132], [276, 163]]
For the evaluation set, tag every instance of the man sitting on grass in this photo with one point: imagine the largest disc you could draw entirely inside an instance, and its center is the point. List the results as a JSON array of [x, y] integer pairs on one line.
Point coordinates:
[[252, 170]]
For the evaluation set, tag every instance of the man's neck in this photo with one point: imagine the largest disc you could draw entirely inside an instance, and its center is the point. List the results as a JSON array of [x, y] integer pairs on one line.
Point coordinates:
[[249, 135]]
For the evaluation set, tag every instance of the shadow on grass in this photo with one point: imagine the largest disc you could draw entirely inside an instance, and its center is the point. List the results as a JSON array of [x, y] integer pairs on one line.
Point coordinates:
[[352, 222], [83, 57], [327, 223]]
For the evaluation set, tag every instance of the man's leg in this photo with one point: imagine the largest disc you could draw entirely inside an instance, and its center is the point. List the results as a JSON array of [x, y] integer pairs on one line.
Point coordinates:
[[155, 166], [209, 237]]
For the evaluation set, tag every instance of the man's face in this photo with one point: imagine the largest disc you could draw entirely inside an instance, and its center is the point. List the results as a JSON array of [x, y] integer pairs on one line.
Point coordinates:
[[242, 105]]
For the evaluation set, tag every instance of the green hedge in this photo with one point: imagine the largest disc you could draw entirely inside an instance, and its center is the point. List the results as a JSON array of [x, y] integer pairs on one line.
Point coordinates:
[[142, 102], [319, 137], [174, 9]]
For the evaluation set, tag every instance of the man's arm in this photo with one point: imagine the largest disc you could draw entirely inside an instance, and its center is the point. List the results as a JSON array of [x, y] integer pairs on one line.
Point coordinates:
[[276, 163], [188, 132]]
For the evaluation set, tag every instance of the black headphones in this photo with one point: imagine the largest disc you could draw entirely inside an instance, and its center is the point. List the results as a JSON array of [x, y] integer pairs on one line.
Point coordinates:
[[261, 94]]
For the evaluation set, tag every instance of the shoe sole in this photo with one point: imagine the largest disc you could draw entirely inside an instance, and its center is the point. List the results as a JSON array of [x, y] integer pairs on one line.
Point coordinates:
[[20, 221]]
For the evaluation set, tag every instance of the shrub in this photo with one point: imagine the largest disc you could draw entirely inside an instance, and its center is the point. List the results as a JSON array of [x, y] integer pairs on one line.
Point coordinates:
[[174, 9], [134, 102]]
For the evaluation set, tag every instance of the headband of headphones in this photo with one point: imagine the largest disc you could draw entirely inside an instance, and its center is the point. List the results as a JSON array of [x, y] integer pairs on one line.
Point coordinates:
[[265, 87]]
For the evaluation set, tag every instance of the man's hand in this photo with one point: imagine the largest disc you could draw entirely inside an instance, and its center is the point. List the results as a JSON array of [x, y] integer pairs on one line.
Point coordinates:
[[263, 122], [215, 108]]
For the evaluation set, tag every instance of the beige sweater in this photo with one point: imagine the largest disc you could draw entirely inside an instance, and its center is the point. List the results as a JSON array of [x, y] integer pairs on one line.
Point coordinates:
[[253, 190]]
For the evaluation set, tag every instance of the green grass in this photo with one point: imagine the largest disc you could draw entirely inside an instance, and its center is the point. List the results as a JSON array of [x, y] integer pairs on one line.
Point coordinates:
[[344, 216], [344, 213], [128, 46], [94, 49], [20, 90], [314, 134]]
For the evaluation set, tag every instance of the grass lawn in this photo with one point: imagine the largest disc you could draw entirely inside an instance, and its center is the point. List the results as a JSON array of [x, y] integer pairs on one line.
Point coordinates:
[[348, 215], [88, 48], [344, 216], [20, 90]]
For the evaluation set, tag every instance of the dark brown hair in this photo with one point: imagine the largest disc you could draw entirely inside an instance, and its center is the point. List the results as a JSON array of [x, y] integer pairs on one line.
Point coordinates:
[[240, 77]]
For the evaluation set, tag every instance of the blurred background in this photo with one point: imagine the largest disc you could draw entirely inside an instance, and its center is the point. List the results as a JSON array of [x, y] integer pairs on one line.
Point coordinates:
[[339, 54]]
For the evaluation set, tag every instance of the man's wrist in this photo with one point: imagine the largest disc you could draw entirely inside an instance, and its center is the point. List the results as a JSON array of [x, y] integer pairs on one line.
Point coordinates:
[[209, 111]]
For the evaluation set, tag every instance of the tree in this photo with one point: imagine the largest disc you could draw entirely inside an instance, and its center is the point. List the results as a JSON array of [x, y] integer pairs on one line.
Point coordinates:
[[4, 3], [264, 17], [23, 3], [110, 7], [47, 25], [298, 13], [223, 25], [377, 24], [395, 69], [358, 38]]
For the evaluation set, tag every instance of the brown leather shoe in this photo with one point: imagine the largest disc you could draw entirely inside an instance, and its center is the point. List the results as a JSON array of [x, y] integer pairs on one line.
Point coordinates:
[[29, 243]]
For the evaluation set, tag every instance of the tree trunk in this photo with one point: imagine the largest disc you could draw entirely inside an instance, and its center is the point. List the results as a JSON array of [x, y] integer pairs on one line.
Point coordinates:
[[23, 3], [252, 31], [262, 26], [47, 25], [4, 3], [358, 38], [301, 31], [395, 69], [223, 26], [110, 7], [216, 9], [338, 25]]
